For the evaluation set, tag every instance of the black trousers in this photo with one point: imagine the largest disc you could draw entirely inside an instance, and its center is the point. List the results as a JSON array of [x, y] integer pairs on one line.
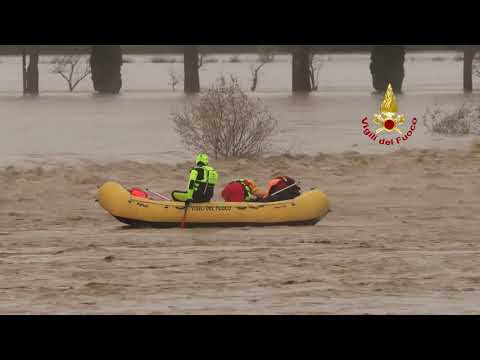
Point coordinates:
[[181, 196]]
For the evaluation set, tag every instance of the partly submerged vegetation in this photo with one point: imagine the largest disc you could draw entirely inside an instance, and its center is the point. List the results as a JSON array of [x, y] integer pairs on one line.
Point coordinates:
[[162, 60], [226, 123], [460, 121]]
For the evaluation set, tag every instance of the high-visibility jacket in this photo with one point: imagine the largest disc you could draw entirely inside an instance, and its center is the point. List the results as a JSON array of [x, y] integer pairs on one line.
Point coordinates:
[[202, 181]]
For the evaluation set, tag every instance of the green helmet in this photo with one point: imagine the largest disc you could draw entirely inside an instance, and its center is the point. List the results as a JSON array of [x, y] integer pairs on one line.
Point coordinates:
[[202, 158]]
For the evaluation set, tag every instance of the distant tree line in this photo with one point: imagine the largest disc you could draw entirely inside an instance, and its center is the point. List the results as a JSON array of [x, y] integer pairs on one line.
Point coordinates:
[[104, 66], [228, 49], [386, 66]]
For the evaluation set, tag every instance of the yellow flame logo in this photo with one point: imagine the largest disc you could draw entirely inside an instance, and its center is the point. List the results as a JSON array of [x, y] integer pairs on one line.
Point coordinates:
[[389, 103], [388, 120]]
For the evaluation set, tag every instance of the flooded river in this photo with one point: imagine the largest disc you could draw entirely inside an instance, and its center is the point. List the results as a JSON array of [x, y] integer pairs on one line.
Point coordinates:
[[402, 237]]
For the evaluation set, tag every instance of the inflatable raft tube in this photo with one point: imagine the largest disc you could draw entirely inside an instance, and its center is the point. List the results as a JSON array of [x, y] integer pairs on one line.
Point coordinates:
[[307, 209]]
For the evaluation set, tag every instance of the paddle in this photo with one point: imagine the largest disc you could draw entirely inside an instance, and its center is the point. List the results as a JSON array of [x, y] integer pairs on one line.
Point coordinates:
[[182, 225], [279, 191]]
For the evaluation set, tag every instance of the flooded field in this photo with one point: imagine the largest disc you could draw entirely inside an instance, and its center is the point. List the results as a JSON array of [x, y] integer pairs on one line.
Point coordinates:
[[402, 237], [136, 125]]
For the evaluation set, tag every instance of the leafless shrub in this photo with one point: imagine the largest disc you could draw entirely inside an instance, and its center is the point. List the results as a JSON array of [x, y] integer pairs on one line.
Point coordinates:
[[175, 79], [461, 121], [315, 64], [458, 58], [265, 56], [161, 60], [73, 69], [208, 60], [234, 59], [476, 65], [202, 59], [226, 123]]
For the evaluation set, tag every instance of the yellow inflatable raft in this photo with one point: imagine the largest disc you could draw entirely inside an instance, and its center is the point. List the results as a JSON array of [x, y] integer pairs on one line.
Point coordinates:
[[307, 209]]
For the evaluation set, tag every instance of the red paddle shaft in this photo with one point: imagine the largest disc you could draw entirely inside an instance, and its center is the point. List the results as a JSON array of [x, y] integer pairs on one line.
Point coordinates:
[[184, 216]]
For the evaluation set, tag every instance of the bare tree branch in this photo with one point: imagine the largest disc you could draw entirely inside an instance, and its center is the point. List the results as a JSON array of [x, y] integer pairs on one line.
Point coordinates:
[[315, 65], [265, 56], [76, 69], [175, 79], [201, 58]]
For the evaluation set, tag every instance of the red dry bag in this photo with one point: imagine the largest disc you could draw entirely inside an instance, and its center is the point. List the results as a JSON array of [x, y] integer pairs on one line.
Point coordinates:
[[139, 193]]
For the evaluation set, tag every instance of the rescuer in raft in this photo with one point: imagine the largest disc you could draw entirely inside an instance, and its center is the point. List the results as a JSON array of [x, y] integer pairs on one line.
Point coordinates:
[[245, 190], [242, 190], [201, 183]]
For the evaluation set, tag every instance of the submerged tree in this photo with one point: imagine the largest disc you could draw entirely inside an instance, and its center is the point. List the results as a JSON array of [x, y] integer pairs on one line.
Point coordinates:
[[386, 67], [191, 66], [468, 64], [301, 68], [106, 63], [265, 56], [30, 73]]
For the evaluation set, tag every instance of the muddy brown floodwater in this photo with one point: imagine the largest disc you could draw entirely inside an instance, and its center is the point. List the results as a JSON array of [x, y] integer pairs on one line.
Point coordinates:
[[402, 238]]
